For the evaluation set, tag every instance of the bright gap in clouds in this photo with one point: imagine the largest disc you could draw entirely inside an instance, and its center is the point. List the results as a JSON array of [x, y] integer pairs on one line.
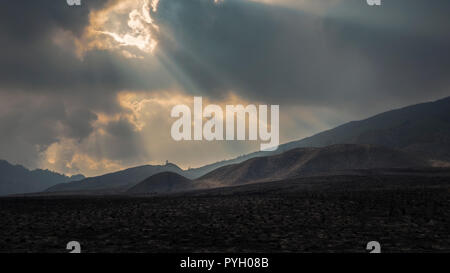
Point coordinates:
[[126, 26]]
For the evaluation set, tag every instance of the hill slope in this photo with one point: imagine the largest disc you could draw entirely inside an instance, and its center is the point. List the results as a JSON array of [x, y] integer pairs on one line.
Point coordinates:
[[120, 181], [309, 161], [166, 182], [16, 179]]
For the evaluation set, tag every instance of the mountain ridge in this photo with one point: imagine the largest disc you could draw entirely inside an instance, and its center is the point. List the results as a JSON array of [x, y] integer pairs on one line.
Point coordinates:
[[16, 179], [116, 180], [310, 161]]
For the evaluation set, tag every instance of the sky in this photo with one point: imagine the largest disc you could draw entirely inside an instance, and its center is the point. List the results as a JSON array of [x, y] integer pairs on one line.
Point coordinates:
[[89, 89]]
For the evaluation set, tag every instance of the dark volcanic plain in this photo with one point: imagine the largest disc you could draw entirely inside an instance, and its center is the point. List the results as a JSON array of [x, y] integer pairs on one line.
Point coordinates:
[[341, 213]]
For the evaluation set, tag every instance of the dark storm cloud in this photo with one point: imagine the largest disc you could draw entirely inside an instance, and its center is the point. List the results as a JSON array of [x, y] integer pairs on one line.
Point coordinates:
[[30, 123], [396, 52], [31, 65], [49, 91], [406, 44], [32, 61], [28, 21], [124, 138]]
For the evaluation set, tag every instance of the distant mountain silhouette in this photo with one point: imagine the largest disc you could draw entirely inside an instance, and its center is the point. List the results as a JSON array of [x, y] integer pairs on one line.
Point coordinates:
[[309, 161], [166, 182], [118, 181], [15, 179]]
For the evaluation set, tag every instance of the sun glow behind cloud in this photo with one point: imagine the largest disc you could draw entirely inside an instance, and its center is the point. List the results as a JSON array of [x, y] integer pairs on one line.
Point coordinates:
[[126, 26]]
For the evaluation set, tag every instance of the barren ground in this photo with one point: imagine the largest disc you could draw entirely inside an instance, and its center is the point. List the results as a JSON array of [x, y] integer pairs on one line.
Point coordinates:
[[323, 214]]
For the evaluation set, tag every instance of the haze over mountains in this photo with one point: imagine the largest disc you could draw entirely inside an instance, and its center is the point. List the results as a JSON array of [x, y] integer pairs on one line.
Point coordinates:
[[293, 163], [310, 161], [300, 162], [17, 179], [422, 131]]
